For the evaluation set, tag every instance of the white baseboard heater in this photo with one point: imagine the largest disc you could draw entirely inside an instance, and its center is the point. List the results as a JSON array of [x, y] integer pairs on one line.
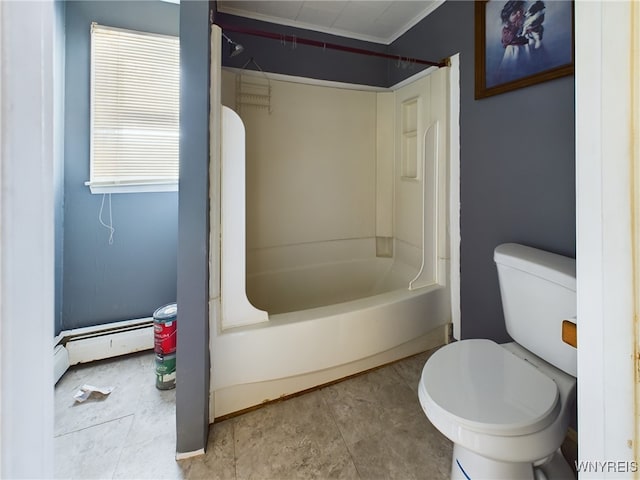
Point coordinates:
[[82, 345]]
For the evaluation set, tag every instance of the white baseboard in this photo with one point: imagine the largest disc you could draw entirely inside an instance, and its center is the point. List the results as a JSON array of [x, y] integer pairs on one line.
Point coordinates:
[[88, 344], [185, 455], [60, 362], [89, 349]]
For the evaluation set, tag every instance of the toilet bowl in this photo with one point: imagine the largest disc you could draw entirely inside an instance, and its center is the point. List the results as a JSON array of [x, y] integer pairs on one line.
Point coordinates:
[[499, 403], [505, 408]]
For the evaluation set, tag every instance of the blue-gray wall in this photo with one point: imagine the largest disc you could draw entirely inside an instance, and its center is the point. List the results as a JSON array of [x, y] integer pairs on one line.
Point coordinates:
[[58, 157], [104, 283], [192, 374], [517, 162], [303, 60]]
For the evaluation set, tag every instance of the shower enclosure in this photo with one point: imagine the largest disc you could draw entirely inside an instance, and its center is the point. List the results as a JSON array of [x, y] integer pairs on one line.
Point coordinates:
[[333, 220]]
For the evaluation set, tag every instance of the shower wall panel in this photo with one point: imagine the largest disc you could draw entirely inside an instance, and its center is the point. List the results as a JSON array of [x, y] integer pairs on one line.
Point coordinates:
[[384, 163], [311, 164], [413, 111], [420, 174]]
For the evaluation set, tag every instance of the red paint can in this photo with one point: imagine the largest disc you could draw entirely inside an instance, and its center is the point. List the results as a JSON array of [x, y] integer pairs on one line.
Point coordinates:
[[164, 329]]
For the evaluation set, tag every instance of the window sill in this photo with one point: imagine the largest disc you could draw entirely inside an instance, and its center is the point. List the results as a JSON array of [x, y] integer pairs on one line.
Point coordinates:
[[132, 188]]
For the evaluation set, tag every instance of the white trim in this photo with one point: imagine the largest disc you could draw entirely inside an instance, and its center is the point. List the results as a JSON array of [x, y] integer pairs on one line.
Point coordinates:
[[26, 239], [331, 83], [185, 455], [635, 125], [132, 188], [606, 415], [4, 450], [304, 80], [113, 344], [60, 362], [423, 73], [454, 191], [67, 335], [87, 344], [430, 7], [302, 25], [215, 220], [131, 31]]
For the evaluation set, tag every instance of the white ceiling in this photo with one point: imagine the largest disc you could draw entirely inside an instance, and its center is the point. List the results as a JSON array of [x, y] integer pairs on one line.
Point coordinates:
[[380, 21]]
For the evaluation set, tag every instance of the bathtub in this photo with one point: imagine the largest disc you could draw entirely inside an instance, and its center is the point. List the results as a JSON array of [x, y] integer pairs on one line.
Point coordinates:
[[297, 350], [317, 274], [295, 317]]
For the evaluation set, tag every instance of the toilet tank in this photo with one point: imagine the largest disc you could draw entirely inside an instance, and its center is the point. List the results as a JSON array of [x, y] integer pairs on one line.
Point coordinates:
[[538, 291]]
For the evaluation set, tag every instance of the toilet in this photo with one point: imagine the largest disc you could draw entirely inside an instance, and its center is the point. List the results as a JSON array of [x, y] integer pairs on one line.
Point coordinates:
[[506, 407]]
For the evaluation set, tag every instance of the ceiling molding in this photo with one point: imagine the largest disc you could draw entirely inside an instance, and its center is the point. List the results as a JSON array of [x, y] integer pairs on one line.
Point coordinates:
[[430, 8]]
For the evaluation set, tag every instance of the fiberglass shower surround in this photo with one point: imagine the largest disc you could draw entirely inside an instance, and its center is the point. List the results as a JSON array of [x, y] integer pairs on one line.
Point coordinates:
[[334, 251], [330, 215]]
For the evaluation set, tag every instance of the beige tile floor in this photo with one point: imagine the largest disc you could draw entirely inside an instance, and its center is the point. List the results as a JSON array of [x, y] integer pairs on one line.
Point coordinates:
[[370, 426], [367, 427]]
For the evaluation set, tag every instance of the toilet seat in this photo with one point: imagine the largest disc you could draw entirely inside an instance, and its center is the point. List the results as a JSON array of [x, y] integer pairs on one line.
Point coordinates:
[[487, 389]]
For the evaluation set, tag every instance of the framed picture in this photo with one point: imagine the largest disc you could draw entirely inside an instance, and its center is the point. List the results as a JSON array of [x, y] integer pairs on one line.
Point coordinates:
[[521, 43]]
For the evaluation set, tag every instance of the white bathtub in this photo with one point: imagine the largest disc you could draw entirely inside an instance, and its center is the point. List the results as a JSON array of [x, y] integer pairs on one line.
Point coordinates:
[[326, 321], [317, 274], [298, 350], [319, 311]]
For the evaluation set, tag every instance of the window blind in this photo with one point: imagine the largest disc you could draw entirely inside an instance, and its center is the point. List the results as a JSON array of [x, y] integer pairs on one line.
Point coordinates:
[[135, 90]]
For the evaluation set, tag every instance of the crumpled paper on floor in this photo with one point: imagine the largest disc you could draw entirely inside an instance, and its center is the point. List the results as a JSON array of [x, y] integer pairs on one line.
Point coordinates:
[[86, 391]]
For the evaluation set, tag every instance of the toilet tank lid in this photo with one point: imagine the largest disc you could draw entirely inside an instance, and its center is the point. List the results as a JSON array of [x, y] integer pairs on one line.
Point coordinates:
[[550, 266]]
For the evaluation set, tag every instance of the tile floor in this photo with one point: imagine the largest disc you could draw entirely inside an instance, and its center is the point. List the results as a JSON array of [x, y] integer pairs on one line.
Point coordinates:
[[368, 427]]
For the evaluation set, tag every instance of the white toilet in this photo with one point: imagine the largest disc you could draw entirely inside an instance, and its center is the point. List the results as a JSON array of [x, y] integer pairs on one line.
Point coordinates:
[[506, 407]]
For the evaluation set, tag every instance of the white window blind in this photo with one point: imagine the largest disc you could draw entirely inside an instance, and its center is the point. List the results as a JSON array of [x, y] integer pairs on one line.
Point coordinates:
[[135, 90]]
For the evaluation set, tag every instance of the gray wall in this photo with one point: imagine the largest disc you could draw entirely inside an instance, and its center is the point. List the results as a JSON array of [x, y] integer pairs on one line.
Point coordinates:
[[58, 156], [192, 395], [303, 60], [517, 160], [104, 283]]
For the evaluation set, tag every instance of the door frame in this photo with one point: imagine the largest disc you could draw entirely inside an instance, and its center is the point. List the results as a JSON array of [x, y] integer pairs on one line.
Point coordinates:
[[26, 239], [604, 237]]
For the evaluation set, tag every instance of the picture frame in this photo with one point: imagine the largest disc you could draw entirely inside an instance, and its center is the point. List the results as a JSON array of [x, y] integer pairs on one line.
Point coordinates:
[[521, 43]]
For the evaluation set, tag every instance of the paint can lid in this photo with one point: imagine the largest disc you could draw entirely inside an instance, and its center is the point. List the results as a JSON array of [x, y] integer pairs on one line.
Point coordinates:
[[166, 312]]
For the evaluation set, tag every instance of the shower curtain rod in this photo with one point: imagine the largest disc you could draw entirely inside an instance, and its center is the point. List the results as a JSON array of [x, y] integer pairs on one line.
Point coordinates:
[[333, 46]]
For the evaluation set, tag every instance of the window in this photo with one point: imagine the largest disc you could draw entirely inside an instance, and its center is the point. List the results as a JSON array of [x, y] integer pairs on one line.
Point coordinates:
[[135, 89]]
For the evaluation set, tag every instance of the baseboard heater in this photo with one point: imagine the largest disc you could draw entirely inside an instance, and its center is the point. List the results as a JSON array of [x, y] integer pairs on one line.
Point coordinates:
[[87, 344]]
